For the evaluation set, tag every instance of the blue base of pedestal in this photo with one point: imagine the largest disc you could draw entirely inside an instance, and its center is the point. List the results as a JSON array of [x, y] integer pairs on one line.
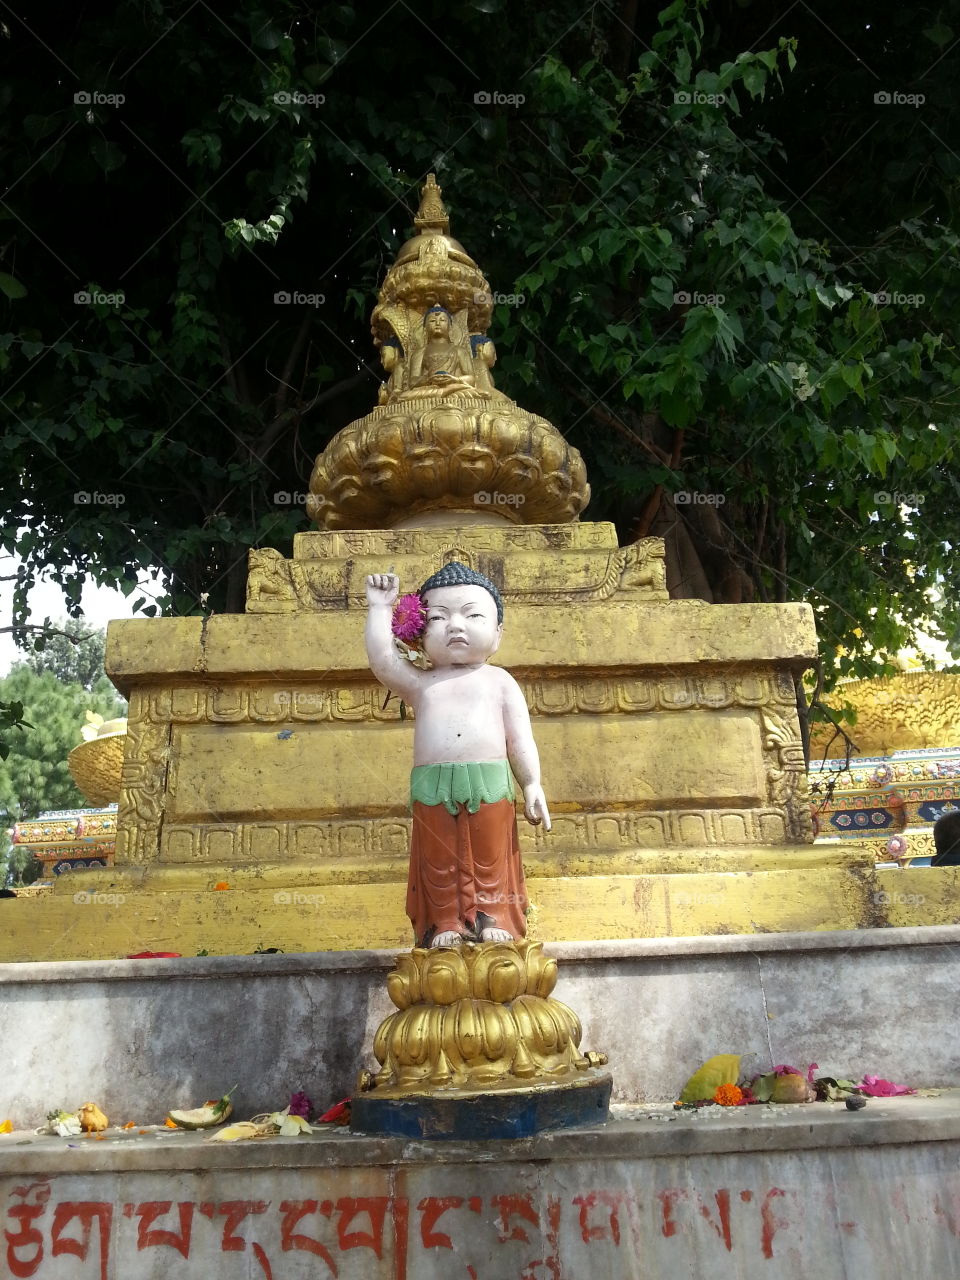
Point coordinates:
[[501, 1113]]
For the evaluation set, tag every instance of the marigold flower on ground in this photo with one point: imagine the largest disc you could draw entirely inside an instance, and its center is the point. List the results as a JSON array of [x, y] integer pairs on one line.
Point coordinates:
[[409, 618], [728, 1095]]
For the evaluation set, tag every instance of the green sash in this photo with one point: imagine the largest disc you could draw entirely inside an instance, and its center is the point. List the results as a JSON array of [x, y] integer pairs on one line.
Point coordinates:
[[455, 784]]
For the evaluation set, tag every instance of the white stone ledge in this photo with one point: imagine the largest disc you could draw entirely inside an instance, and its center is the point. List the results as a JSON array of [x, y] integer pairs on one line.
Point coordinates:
[[632, 1133], [373, 961]]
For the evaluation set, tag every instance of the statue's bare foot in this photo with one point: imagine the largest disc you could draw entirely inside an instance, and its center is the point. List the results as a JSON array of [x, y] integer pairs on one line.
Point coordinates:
[[450, 938], [495, 935]]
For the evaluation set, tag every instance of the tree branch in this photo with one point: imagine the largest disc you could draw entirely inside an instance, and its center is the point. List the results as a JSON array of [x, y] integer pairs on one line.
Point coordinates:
[[50, 631], [296, 412], [627, 21], [652, 504], [296, 349], [604, 415]]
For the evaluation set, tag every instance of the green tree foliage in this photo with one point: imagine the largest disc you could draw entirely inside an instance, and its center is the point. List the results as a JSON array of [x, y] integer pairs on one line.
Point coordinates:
[[11, 717], [720, 239], [35, 777], [72, 652]]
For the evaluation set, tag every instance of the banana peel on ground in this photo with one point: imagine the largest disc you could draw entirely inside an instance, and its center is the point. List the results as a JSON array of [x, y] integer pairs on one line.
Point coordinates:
[[279, 1124], [206, 1117], [242, 1129]]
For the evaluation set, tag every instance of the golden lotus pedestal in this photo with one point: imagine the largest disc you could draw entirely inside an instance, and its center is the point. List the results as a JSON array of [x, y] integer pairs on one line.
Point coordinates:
[[478, 1048]]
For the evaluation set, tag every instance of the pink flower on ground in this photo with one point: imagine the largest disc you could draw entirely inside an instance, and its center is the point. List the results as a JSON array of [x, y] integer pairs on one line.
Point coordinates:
[[300, 1105], [409, 618], [878, 1088], [784, 1070]]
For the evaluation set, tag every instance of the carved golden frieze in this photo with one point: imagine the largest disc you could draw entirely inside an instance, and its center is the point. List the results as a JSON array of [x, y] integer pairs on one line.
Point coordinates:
[[305, 840], [341, 544], [238, 704], [142, 782], [787, 785], [276, 585], [909, 711]]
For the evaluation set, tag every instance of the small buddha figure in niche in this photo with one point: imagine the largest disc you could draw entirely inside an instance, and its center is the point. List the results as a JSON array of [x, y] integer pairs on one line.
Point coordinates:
[[441, 366], [472, 727]]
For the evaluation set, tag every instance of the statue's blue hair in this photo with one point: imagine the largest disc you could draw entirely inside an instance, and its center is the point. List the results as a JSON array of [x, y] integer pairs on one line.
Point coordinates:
[[455, 574]]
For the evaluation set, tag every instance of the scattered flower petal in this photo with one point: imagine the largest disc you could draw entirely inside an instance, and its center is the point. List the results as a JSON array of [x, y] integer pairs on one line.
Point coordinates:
[[293, 1126], [339, 1111], [877, 1088]]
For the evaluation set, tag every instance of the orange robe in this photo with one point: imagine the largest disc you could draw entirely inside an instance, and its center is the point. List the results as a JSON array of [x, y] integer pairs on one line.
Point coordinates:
[[465, 871]]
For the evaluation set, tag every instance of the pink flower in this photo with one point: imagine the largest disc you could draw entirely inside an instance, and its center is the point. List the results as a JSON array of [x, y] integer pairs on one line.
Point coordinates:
[[878, 1088], [300, 1105], [784, 1070], [409, 618]]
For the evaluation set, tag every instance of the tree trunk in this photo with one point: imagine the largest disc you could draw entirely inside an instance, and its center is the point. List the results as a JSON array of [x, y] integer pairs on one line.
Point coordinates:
[[236, 593]]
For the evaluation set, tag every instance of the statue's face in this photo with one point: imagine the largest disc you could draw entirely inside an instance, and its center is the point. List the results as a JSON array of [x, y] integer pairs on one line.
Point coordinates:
[[462, 628], [438, 324]]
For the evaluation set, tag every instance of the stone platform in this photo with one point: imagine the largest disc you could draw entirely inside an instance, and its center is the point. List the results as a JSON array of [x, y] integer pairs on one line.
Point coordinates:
[[729, 1193], [138, 1037]]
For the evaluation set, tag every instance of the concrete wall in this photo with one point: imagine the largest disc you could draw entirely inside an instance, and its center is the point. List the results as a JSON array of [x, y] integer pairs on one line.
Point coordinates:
[[787, 1194], [139, 1037]]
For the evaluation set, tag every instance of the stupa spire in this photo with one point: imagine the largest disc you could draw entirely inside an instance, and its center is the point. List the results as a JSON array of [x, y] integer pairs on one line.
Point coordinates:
[[432, 214]]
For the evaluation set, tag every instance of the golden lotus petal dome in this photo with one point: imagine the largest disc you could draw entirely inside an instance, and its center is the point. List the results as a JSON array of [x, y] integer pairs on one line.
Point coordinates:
[[443, 441], [95, 766]]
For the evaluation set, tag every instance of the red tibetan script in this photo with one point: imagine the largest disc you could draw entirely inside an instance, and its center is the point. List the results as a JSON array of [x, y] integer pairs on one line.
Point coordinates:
[[371, 1235]]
